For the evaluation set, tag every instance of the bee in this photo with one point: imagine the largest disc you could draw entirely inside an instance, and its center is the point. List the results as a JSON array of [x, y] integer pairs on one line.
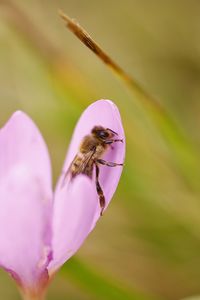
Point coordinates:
[[89, 156]]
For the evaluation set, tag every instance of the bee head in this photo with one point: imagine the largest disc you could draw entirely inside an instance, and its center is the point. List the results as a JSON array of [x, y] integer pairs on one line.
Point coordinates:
[[103, 133]]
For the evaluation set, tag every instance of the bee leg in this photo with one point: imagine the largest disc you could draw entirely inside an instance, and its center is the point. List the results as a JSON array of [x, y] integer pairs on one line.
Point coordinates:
[[108, 142], [100, 191], [108, 163]]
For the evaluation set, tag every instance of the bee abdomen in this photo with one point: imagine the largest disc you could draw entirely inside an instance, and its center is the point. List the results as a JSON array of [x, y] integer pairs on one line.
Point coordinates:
[[75, 167]]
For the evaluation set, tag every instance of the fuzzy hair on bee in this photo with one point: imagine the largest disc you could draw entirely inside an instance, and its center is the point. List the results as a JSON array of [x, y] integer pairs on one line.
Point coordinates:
[[89, 157]]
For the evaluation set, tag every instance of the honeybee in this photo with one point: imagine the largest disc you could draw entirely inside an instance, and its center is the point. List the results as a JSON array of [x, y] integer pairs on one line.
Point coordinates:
[[91, 149]]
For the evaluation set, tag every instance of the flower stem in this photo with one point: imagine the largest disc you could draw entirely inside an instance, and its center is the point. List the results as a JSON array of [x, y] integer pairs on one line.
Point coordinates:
[[29, 295], [33, 297]]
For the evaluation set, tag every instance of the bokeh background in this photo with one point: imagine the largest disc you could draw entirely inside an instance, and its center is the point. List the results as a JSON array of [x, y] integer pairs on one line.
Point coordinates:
[[147, 245]]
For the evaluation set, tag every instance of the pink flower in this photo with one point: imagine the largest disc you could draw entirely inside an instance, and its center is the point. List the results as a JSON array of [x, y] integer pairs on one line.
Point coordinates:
[[40, 230]]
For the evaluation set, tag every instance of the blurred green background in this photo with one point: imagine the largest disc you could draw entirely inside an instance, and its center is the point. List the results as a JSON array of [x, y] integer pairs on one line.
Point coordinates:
[[147, 245]]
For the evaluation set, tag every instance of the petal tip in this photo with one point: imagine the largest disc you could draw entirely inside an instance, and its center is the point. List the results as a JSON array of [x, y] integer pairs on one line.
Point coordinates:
[[18, 116], [106, 102], [18, 113]]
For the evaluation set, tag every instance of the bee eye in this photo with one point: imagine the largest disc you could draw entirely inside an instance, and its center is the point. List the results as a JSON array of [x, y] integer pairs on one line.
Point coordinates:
[[103, 134]]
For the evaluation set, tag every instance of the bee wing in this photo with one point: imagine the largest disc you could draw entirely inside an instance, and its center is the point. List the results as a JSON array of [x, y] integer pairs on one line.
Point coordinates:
[[83, 162]]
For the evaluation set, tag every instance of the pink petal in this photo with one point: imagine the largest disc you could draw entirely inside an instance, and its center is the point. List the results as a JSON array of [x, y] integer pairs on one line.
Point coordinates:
[[25, 213], [74, 209], [25, 201], [21, 141], [76, 206], [106, 114]]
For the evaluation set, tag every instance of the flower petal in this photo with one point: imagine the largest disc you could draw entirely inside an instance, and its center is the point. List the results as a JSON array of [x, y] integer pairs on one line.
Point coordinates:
[[21, 141], [74, 209], [76, 204], [106, 114], [25, 213], [25, 201]]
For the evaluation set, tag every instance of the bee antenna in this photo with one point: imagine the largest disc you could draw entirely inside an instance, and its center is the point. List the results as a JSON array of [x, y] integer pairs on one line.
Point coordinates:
[[112, 131]]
